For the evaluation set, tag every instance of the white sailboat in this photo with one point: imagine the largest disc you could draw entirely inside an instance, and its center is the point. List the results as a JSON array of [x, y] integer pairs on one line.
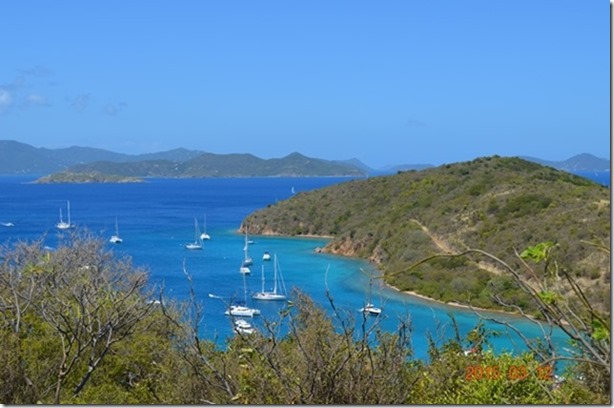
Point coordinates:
[[272, 295], [116, 239], [266, 256], [204, 236], [197, 244], [242, 310], [64, 225], [369, 308], [247, 260]]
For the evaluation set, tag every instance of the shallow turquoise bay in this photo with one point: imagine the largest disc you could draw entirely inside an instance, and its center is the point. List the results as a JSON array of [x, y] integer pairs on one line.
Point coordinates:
[[156, 220]]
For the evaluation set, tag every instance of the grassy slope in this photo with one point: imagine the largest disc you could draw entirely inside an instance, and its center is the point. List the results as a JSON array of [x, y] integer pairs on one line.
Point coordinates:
[[495, 204]]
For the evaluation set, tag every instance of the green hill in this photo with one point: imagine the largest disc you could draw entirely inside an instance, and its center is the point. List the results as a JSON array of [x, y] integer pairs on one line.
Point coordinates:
[[219, 165], [495, 204]]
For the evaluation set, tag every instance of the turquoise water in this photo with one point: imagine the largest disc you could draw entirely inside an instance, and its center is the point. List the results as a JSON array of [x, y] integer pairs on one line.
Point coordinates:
[[156, 220]]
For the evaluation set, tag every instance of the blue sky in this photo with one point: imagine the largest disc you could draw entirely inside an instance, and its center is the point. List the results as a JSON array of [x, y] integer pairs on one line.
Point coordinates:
[[387, 82]]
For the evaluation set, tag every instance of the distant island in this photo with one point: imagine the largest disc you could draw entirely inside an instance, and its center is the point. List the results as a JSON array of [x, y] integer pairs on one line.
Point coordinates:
[[68, 177], [90, 165]]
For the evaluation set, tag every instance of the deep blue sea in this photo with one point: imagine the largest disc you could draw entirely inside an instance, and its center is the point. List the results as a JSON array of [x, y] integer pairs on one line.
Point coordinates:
[[601, 177], [156, 220]]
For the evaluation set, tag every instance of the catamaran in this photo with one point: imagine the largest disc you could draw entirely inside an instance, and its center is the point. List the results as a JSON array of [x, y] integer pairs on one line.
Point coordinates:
[[116, 239], [242, 310]]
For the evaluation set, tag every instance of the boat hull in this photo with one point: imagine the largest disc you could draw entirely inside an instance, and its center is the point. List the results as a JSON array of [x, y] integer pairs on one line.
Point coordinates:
[[268, 296]]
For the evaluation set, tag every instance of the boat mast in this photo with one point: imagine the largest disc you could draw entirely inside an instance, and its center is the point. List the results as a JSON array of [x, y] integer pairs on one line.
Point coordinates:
[[244, 290], [262, 278], [245, 247], [275, 273]]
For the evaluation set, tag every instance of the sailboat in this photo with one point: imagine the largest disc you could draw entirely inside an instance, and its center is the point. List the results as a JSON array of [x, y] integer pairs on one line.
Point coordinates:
[[242, 310], [247, 260], [197, 244], [204, 236], [116, 239], [64, 225], [369, 308], [264, 295]]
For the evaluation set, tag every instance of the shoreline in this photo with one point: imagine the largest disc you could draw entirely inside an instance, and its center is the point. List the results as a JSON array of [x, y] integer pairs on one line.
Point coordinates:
[[452, 304], [410, 293], [320, 250]]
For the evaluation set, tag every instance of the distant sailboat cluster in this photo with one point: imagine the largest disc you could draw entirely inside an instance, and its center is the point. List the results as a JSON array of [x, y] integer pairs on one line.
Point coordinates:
[[199, 237], [238, 311]]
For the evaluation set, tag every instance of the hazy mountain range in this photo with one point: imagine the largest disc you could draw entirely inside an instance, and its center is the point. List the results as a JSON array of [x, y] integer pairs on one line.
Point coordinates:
[[24, 159]]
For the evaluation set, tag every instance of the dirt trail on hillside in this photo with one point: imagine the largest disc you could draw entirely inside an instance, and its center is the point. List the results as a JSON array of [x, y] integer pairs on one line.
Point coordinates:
[[440, 243], [447, 248]]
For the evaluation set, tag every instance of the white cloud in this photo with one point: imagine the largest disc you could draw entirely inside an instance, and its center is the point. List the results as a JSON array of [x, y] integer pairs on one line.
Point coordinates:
[[6, 100], [36, 100], [80, 102], [113, 109]]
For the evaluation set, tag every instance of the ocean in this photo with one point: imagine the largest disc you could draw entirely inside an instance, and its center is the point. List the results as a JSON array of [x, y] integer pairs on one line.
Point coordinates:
[[156, 220]]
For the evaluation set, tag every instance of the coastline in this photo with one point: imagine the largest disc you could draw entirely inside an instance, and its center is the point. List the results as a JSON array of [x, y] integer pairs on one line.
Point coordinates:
[[452, 304], [270, 233]]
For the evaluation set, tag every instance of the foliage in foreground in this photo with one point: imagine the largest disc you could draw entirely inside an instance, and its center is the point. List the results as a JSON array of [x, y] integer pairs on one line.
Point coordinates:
[[77, 325]]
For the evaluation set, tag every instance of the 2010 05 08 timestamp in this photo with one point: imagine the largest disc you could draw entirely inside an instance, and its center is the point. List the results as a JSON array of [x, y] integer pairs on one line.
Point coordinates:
[[512, 373]]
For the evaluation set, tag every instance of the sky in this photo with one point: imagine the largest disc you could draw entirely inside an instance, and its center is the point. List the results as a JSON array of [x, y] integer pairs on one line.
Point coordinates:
[[386, 82]]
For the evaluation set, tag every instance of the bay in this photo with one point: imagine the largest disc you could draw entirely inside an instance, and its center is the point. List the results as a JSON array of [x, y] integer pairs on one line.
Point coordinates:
[[156, 220]]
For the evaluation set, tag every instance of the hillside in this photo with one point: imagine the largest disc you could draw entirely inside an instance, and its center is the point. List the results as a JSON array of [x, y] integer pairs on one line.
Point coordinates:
[[495, 204], [220, 165], [580, 162], [21, 158], [65, 177]]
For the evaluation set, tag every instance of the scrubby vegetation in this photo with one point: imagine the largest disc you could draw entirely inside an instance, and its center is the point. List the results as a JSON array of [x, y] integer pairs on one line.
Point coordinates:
[[78, 325], [496, 204], [92, 177]]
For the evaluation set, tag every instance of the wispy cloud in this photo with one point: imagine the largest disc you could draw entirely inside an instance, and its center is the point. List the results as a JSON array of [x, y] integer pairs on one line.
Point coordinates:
[[38, 71], [415, 123], [80, 102], [14, 93], [113, 109], [37, 100]]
